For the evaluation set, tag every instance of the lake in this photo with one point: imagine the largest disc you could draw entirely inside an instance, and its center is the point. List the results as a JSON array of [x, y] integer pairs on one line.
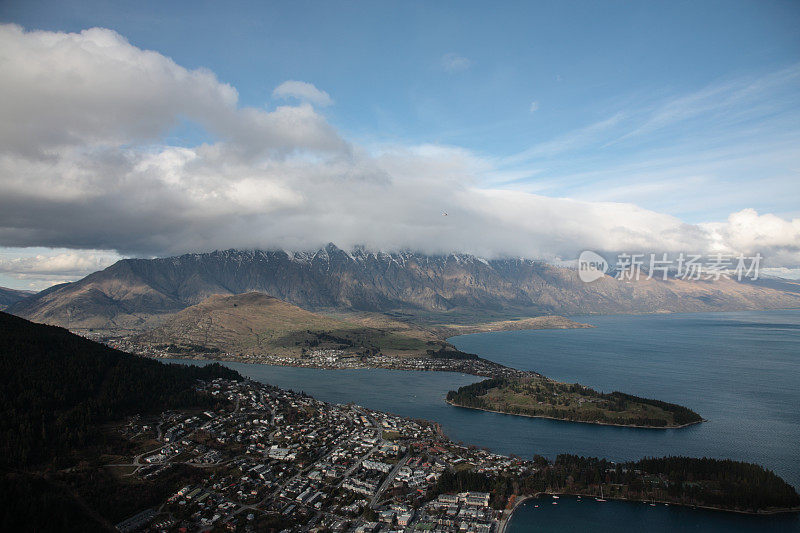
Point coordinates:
[[741, 371]]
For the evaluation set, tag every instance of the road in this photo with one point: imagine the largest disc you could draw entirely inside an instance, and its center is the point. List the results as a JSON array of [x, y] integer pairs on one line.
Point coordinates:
[[373, 503]]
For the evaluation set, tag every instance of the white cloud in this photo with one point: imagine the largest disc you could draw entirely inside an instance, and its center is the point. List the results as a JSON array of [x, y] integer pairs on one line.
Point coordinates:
[[579, 138], [534, 107], [94, 88], [303, 91], [716, 102], [748, 231], [455, 63], [67, 263], [89, 169], [42, 268]]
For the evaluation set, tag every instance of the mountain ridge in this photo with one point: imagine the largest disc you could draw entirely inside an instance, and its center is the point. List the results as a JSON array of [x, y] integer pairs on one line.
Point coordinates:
[[137, 294], [11, 296]]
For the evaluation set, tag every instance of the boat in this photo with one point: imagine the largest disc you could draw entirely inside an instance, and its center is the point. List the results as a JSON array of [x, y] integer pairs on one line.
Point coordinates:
[[600, 499], [555, 497], [555, 503]]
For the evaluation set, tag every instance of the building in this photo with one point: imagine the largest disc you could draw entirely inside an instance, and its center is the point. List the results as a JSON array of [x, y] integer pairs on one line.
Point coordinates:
[[479, 499], [137, 521]]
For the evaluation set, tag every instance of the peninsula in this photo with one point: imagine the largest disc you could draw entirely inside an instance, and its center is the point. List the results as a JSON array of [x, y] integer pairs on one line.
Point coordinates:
[[536, 396], [141, 445], [260, 329]]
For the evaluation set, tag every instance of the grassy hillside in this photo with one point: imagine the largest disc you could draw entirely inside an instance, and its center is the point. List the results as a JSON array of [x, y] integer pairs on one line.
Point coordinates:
[[539, 322], [257, 324]]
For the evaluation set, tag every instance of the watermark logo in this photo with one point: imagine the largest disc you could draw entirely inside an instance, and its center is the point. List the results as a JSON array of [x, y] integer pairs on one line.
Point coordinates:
[[591, 266], [687, 267]]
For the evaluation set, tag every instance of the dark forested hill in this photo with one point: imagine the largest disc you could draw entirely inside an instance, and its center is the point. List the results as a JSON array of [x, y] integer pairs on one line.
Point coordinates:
[[58, 391], [137, 293], [58, 387]]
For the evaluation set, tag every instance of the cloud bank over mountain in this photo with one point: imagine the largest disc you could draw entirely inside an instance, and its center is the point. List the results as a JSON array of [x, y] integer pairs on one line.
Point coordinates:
[[40, 268], [84, 164]]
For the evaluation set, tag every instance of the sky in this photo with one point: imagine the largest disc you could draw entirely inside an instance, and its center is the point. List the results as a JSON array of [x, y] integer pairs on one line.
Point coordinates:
[[541, 128]]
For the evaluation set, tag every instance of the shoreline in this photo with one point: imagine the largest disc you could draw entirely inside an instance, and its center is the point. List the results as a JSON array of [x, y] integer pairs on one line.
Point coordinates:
[[498, 371], [522, 499], [508, 514], [577, 421], [458, 371]]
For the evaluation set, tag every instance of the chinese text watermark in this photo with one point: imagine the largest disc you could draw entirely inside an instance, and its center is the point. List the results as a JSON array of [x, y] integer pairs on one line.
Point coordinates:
[[690, 267]]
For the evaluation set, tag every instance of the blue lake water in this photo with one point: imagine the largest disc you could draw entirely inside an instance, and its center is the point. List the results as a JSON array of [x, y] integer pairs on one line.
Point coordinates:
[[741, 371]]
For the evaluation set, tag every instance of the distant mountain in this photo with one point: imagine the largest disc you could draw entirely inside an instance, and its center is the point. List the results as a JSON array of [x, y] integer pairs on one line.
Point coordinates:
[[11, 296], [136, 294], [781, 284]]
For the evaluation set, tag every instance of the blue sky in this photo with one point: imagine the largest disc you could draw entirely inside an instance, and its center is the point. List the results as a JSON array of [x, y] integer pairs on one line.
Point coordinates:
[[581, 62], [688, 109]]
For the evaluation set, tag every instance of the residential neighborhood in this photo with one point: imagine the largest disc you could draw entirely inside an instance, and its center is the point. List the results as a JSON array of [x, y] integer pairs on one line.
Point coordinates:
[[276, 459]]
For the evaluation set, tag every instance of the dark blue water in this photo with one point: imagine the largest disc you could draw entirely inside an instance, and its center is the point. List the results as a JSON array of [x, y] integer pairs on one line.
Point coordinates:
[[411, 394], [741, 371], [573, 515]]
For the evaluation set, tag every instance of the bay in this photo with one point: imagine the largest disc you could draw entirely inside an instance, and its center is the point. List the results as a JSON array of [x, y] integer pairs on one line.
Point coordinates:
[[740, 371]]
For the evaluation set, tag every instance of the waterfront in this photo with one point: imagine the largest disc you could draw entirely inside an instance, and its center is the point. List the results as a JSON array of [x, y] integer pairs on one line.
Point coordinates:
[[741, 371], [571, 514]]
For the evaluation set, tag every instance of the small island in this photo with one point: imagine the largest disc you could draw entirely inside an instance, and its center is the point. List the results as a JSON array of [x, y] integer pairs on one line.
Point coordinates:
[[534, 395]]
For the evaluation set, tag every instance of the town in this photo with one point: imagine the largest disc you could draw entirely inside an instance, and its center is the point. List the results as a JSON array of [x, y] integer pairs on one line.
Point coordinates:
[[331, 359], [276, 459]]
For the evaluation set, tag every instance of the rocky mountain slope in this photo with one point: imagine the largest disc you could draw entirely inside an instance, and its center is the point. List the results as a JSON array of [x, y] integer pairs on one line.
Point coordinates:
[[135, 294], [12, 296]]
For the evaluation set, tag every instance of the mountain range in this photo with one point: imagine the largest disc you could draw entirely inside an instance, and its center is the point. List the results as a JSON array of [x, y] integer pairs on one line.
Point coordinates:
[[138, 294]]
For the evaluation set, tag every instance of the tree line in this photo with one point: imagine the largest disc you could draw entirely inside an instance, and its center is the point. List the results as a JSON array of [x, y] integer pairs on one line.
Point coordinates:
[[720, 483], [542, 392], [59, 387]]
